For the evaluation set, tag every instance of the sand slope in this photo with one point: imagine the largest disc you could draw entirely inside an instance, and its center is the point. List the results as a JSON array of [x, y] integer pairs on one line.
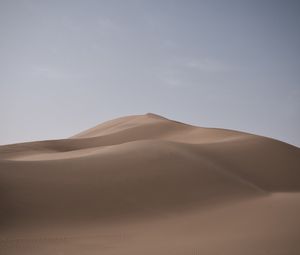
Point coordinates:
[[148, 185]]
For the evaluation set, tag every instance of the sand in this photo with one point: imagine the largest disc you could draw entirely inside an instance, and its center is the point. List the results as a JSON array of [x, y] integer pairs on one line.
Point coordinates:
[[145, 184]]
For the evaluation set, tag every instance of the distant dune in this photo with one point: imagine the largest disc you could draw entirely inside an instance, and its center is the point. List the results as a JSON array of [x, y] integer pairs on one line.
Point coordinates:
[[144, 184]]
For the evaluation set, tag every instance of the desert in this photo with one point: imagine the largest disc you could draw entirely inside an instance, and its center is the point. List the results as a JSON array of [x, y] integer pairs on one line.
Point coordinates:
[[145, 184]]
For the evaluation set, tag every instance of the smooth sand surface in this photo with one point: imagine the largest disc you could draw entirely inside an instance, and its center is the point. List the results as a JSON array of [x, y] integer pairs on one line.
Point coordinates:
[[145, 184]]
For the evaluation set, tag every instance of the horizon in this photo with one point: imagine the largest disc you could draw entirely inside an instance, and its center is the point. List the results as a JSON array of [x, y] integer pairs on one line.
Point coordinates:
[[155, 115]]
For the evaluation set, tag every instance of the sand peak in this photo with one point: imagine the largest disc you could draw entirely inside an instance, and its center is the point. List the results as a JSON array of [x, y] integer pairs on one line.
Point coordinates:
[[153, 115]]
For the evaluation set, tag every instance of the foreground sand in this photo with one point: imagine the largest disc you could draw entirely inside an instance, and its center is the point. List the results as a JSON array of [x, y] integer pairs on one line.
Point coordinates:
[[148, 185]]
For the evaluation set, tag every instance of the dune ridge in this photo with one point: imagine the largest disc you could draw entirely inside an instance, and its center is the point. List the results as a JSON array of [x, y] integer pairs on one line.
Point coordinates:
[[132, 171]]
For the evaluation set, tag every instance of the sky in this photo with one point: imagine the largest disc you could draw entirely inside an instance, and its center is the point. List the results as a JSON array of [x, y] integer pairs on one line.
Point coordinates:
[[68, 65]]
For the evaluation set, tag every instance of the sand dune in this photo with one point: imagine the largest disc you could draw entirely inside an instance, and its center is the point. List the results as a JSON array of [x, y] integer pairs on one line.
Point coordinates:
[[148, 185]]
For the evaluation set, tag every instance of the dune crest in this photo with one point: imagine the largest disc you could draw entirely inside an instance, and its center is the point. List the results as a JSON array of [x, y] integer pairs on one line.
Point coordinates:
[[126, 173]]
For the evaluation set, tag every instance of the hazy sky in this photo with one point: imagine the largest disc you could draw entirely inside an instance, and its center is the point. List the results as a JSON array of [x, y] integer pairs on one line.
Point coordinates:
[[66, 66]]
